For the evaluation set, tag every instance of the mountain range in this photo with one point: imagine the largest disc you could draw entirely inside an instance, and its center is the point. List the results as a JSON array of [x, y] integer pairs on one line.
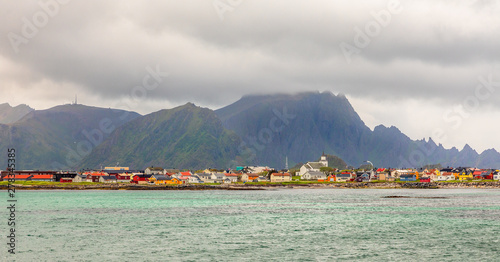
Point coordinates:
[[255, 130], [10, 114]]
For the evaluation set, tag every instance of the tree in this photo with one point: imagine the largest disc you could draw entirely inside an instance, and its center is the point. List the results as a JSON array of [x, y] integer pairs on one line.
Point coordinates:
[[326, 170]]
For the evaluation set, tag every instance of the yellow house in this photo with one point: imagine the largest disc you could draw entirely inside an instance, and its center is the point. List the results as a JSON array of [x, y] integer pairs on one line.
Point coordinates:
[[164, 180], [464, 175]]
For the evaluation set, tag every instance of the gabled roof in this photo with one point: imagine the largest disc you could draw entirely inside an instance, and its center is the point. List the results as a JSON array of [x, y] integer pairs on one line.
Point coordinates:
[[219, 175], [21, 176], [42, 177], [161, 177], [280, 174], [314, 165], [185, 173], [108, 177]]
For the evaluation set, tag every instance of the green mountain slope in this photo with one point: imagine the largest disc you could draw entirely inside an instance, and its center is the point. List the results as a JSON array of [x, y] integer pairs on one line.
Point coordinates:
[[183, 137], [59, 137]]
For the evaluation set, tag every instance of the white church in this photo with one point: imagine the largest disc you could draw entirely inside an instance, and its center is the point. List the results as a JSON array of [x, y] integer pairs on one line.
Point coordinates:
[[313, 167]]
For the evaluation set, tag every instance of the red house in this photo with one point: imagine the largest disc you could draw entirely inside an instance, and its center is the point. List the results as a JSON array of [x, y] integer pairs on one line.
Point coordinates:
[[425, 179], [94, 176], [66, 180], [141, 179]]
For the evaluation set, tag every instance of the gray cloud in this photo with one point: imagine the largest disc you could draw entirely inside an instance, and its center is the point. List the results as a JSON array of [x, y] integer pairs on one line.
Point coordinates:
[[100, 49]]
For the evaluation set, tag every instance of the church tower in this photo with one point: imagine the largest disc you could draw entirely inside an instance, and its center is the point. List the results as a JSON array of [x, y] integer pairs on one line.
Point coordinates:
[[323, 160]]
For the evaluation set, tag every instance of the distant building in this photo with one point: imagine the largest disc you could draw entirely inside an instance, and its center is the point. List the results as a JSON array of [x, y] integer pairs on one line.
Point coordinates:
[[314, 175], [117, 168], [313, 166], [155, 171], [281, 177]]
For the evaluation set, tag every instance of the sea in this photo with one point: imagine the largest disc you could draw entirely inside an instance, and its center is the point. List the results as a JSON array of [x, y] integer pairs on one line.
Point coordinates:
[[267, 225]]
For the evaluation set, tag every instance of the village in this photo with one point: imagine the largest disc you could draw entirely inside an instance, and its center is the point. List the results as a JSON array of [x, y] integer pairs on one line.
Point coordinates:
[[308, 172]]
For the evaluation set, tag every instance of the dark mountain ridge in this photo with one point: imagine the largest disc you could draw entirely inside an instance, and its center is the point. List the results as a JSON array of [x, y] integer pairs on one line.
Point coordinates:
[[184, 137], [59, 137]]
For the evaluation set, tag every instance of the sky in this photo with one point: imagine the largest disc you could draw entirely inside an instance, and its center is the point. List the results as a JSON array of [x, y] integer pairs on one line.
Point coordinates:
[[430, 68]]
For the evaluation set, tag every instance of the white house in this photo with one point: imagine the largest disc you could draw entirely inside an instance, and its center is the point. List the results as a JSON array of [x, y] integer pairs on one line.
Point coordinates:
[[155, 171], [314, 175], [194, 179], [313, 166], [446, 177]]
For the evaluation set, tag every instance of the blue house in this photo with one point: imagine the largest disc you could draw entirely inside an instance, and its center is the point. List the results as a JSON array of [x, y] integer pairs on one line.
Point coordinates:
[[408, 177]]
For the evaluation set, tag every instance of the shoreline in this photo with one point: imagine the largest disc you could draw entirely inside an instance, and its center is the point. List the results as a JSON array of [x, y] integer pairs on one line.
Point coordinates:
[[382, 185]]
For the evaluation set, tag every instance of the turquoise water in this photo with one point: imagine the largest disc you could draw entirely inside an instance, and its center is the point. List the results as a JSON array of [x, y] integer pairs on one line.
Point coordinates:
[[278, 225]]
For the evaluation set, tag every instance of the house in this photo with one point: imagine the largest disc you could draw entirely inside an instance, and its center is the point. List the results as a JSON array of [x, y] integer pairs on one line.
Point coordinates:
[[365, 177], [155, 171], [66, 180], [194, 179], [425, 179], [483, 174], [107, 179], [313, 167], [121, 177], [343, 177], [94, 176], [64, 174], [204, 177], [232, 177], [314, 175], [432, 174], [140, 179], [249, 177], [281, 177], [465, 175], [80, 178], [446, 176], [217, 177], [159, 179], [172, 181], [384, 176], [408, 177], [496, 175], [331, 178], [185, 174], [117, 168], [156, 177]]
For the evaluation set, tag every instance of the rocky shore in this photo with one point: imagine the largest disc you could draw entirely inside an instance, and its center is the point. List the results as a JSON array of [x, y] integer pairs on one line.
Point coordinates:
[[387, 185]]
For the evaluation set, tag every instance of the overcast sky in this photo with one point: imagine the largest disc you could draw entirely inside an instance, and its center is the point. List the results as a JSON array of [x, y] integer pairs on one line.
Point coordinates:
[[430, 68]]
